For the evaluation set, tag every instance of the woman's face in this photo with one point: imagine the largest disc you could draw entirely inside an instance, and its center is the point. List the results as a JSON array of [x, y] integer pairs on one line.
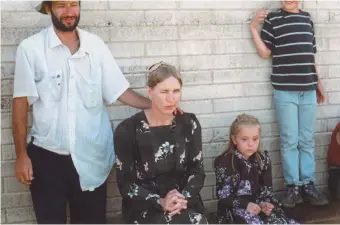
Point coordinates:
[[165, 96]]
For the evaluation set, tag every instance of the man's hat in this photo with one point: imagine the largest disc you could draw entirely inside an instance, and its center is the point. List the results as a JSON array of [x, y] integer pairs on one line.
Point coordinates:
[[41, 7]]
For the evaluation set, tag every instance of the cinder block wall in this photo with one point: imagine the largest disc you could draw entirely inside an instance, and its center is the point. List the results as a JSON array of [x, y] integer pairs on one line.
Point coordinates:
[[210, 42]]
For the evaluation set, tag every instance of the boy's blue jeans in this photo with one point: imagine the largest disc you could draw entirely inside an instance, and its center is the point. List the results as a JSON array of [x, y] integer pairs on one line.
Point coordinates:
[[296, 115]]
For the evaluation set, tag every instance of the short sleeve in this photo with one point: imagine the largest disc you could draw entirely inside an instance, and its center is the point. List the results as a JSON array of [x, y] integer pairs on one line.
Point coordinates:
[[267, 34], [114, 82], [24, 77], [314, 41]]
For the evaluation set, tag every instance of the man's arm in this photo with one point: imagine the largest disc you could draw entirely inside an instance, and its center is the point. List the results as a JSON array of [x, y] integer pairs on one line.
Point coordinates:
[[131, 98], [19, 124], [116, 86], [23, 166], [24, 93]]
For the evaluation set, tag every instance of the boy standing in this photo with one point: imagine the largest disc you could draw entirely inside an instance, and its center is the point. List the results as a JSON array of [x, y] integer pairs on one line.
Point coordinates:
[[288, 36]]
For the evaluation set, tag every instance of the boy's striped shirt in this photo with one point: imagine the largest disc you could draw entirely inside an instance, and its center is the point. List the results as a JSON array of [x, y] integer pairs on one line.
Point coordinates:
[[290, 37]]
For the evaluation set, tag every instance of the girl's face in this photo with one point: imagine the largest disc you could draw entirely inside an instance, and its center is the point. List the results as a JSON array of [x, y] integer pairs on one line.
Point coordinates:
[[247, 140]]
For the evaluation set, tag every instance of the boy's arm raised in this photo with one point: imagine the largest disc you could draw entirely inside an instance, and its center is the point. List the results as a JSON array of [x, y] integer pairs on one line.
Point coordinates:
[[260, 44]]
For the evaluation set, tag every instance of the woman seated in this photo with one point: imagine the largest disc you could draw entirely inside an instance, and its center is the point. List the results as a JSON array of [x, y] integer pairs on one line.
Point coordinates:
[[159, 157]]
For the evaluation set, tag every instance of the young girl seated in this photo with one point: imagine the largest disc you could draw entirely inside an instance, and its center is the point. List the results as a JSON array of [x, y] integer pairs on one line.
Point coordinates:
[[244, 179]]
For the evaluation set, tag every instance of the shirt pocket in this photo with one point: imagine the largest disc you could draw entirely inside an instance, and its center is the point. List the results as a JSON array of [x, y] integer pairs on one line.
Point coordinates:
[[56, 84], [91, 93]]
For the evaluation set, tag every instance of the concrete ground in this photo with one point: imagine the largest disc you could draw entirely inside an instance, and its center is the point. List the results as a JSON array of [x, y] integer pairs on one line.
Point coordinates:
[[335, 220]]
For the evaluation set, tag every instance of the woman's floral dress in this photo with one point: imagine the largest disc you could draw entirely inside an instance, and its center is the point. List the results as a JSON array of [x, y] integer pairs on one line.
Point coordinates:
[[151, 161]]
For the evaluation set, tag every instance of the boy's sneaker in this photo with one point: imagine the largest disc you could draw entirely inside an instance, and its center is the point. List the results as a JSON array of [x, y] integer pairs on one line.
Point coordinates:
[[313, 196], [292, 197]]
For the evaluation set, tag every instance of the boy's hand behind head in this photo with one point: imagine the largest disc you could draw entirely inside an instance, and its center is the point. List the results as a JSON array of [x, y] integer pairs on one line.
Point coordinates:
[[259, 17]]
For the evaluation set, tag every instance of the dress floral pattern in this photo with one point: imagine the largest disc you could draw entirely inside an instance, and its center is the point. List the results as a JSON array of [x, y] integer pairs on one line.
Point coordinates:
[[240, 181], [151, 161]]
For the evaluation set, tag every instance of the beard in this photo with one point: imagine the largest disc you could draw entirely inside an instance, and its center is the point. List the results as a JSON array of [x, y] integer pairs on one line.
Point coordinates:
[[58, 24]]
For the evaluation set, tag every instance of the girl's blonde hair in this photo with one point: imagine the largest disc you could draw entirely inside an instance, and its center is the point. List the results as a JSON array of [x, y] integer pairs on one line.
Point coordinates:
[[161, 71], [242, 120]]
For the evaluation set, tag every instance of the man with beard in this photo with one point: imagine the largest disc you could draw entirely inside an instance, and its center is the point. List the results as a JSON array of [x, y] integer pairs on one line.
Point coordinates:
[[68, 76]]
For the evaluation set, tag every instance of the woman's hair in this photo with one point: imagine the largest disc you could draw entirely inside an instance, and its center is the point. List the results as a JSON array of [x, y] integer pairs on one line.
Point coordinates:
[[161, 71], [242, 120]]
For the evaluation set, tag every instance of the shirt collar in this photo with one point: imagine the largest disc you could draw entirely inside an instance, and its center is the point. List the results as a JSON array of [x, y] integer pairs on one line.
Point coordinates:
[[240, 156], [54, 40]]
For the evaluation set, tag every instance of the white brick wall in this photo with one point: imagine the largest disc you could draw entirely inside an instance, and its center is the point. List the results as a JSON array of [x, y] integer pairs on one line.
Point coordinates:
[[211, 44]]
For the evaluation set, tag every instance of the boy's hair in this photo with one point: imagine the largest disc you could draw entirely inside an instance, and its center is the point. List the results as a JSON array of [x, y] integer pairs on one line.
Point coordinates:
[[242, 120]]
